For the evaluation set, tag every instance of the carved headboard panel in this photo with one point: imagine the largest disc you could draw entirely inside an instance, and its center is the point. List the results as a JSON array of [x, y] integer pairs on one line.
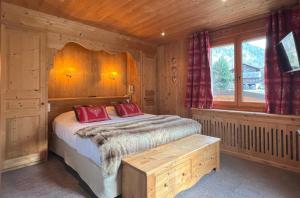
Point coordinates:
[[80, 72], [61, 105]]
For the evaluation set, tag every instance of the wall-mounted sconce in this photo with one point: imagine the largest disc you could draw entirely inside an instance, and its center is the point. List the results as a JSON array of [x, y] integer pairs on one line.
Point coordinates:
[[68, 72], [68, 75], [113, 75]]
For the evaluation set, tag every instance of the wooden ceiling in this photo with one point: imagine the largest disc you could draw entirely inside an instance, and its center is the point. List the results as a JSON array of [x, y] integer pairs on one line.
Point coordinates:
[[146, 19]]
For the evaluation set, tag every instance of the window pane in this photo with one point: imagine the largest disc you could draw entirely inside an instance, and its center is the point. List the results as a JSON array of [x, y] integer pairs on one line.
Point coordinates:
[[222, 72], [253, 62]]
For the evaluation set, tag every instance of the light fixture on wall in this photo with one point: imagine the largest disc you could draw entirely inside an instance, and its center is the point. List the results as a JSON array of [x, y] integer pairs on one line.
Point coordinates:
[[68, 72], [113, 75]]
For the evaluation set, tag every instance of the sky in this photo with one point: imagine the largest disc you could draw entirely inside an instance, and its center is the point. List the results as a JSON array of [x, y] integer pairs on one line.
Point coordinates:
[[258, 43]]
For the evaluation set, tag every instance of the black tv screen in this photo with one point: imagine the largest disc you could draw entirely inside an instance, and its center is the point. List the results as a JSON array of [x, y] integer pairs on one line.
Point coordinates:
[[288, 53]]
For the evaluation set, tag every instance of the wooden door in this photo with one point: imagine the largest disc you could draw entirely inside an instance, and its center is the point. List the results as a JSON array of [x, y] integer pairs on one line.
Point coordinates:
[[149, 84], [24, 90]]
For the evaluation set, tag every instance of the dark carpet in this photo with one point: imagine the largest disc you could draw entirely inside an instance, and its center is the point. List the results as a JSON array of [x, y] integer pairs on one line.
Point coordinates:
[[237, 179]]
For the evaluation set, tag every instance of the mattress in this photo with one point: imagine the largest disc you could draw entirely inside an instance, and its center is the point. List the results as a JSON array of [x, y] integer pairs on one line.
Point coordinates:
[[65, 126]]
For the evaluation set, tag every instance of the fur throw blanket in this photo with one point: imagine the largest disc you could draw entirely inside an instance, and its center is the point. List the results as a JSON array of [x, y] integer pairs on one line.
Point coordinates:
[[119, 139]]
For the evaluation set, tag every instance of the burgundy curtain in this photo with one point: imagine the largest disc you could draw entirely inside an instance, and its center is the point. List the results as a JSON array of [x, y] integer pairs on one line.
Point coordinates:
[[198, 92], [282, 89]]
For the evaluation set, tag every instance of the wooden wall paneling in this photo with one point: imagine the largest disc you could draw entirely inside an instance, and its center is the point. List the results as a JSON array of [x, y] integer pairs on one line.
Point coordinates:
[[79, 72], [181, 78], [24, 77], [250, 27], [134, 63], [159, 76], [61, 31], [134, 77], [172, 74], [57, 32], [149, 91], [168, 90], [2, 86], [109, 63], [266, 138]]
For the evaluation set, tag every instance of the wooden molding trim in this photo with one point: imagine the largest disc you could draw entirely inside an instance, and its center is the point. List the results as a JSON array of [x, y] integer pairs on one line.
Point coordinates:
[[24, 161], [251, 115], [57, 41], [55, 45], [53, 100], [261, 161], [253, 26], [234, 107]]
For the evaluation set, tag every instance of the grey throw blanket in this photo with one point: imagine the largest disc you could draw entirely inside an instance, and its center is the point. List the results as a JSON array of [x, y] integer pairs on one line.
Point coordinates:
[[119, 139]]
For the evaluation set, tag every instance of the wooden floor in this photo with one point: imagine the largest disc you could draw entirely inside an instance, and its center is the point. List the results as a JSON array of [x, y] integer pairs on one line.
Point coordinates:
[[237, 178]]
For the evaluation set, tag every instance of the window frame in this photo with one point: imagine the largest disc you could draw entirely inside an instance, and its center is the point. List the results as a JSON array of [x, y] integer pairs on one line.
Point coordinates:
[[220, 44], [238, 103], [241, 39]]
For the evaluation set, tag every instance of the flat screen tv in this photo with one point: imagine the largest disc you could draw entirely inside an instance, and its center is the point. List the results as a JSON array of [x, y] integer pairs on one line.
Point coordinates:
[[288, 53]]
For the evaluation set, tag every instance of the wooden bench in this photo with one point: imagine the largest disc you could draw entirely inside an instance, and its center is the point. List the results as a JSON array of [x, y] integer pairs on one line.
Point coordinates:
[[168, 169]]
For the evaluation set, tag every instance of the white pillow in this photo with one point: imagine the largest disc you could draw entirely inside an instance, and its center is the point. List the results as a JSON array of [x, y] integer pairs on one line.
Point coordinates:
[[111, 111]]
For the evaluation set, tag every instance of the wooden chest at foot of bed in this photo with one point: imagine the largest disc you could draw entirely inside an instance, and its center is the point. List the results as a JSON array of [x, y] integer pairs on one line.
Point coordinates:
[[168, 169]]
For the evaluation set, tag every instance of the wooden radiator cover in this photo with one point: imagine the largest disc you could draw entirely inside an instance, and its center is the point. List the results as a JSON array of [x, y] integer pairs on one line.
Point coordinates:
[[267, 138]]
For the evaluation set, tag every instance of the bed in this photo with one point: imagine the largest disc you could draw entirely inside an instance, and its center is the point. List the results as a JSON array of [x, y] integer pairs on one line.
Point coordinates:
[[83, 154]]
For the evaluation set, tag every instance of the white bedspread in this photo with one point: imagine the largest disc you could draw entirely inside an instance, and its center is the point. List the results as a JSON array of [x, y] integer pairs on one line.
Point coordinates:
[[65, 126]]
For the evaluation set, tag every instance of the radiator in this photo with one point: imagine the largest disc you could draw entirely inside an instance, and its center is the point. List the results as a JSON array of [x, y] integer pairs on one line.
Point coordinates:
[[266, 138]]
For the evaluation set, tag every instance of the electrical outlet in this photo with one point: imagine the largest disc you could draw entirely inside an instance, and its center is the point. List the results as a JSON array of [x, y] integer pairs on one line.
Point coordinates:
[[130, 89]]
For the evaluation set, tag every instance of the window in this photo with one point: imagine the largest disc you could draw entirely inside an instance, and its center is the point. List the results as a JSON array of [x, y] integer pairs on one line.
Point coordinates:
[[253, 63], [222, 72], [237, 72]]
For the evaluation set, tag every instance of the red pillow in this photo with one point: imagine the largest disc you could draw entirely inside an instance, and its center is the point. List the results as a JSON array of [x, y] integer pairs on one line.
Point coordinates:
[[91, 113], [128, 109]]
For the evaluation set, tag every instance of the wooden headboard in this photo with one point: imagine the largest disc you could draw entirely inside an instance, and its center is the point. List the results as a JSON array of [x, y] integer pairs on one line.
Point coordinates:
[[61, 105]]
